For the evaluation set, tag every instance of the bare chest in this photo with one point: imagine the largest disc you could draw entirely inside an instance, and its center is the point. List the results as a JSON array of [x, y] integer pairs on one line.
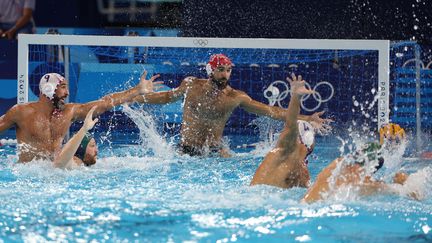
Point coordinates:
[[210, 105], [41, 129]]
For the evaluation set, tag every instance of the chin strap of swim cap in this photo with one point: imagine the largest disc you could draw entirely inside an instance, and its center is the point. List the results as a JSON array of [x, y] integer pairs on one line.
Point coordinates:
[[48, 84], [215, 61], [306, 133]]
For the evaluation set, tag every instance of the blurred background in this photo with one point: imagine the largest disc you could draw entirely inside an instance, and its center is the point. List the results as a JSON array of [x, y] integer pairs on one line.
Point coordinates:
[[337, 19]]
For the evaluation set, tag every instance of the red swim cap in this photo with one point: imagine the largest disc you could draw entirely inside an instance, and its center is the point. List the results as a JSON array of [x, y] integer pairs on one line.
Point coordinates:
[[215, 61]]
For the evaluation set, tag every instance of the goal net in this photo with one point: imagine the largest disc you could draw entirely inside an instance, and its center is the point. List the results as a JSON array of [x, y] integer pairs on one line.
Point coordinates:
[[350, 77]]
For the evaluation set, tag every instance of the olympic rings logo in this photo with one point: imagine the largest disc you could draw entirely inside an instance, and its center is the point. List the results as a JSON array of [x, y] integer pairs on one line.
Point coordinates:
[[273, 94], [200, 42]]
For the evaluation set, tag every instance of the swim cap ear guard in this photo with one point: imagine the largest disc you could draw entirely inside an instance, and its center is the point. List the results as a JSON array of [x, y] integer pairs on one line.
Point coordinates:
[[215, 61], [48, 84], [306, 133], [209, 69]]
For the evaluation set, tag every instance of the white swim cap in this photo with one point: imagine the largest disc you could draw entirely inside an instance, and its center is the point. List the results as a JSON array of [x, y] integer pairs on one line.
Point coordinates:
[[306, 133], [48, 84]]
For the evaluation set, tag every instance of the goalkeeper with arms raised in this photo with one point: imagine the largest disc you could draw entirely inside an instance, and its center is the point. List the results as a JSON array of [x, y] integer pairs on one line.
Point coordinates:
[[208, 104]]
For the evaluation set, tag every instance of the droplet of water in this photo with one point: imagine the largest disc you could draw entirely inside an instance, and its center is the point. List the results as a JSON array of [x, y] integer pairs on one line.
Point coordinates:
[[426, 229], [373, 90], [356, 103], [416, 27]]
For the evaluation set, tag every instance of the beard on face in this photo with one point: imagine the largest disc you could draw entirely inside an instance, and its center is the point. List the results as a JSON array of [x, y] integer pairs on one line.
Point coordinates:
[[220, 83], [58, 103], [89, 160]]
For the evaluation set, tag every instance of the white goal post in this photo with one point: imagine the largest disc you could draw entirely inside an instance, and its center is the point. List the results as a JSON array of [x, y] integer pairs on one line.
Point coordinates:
[[382, 46]]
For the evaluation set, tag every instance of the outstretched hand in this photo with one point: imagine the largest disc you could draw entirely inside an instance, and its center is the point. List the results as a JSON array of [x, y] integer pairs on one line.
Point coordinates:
[[89, 122], [148, 86], [298, 85], [321, 125]]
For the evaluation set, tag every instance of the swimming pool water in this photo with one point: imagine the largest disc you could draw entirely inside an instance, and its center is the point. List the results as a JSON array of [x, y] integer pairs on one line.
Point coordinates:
[[130, 196]]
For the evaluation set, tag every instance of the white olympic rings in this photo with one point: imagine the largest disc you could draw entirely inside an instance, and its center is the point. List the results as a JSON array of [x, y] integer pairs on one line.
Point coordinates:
[[273, 94]]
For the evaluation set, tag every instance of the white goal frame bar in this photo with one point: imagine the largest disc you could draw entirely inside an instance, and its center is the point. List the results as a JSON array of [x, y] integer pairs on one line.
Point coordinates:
[[382, 46]]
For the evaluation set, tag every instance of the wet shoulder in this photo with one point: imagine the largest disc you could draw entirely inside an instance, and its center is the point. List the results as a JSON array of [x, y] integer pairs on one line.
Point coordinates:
[[25, 108], [20, 112], [235, 93], [71, 107], [327, 171], [197, 82], [190, 80]]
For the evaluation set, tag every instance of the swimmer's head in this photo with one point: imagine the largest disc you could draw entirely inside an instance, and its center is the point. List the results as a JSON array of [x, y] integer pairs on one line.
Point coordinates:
[[306, 136], [54, 87], [219, 69], [392, 134], [370, 152], [88, 150], [48, 84]]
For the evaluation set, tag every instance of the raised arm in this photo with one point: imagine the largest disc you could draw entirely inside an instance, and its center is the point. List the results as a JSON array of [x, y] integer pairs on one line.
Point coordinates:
[[65, 157], [109, 101], [288, 138], [278, 113], [261, 109], [166, 96]]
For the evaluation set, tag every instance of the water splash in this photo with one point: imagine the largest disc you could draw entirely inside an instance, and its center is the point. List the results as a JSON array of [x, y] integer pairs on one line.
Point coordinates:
[[418, 185], [151, 141], [107, 135], [269, 130]]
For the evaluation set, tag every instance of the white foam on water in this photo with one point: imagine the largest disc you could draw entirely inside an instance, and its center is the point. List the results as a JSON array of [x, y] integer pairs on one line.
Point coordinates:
[[129, 162], [417, 186]]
